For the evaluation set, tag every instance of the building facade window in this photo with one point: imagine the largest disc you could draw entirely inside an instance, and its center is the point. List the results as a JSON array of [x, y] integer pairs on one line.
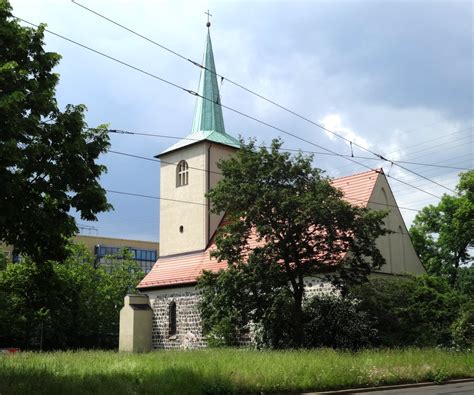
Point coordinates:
[[107, 256], [182, 173], [172, 318]]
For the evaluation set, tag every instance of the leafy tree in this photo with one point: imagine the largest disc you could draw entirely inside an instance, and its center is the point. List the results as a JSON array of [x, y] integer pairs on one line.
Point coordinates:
[[444, 234], [302, 224], [78, 307], [27, 301], [465, 283], [47, 157], [247, 292]]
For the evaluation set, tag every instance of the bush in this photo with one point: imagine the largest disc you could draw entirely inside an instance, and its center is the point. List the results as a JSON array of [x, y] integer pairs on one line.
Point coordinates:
[[337, 322], [64, 305], [414, 311], [462, 330], [275, 329]]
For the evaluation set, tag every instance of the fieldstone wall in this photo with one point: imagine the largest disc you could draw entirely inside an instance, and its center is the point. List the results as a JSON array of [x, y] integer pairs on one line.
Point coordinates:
[[315, 286], [188, 320]]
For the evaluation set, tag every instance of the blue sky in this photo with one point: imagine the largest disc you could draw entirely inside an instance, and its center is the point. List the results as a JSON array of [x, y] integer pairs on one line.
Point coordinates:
[[396, 77]]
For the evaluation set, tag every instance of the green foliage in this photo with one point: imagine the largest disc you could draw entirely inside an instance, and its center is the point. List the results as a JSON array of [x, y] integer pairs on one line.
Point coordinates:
[[231, 298], [416, 311], [444, 234], [67, 305], [275, 328], [3, 261], [47, 157], [465, 283], [304, 226], [338, 323], [463, 328]]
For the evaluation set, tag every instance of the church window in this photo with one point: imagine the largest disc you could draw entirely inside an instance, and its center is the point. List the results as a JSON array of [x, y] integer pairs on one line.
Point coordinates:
[[182, 173], [172, 318], [181, 229]]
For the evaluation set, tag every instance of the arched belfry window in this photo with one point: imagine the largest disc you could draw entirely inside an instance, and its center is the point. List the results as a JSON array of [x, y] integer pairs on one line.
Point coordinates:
[[182, 173], [172, 318]]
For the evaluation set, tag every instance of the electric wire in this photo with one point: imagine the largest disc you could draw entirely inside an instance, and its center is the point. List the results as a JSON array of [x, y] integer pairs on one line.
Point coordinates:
[[220, 173], [204, 204], [445, 147], [154, 197], [121, 131], [230, 108], [261, 97], [205, 170], [435, 139]]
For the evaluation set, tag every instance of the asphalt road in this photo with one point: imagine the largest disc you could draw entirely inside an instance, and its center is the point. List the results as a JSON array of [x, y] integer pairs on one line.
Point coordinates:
[[466, 388]]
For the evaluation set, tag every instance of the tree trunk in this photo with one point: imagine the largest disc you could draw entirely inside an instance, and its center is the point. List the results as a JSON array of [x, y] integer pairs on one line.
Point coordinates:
[[297, 318], [454, 276]]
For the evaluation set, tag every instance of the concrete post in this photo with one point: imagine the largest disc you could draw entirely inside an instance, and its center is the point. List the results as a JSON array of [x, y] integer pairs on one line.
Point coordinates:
[[136, 319]]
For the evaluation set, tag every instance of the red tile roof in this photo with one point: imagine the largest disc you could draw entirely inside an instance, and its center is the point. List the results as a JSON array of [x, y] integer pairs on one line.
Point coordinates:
[[184, 269], [357, 188]]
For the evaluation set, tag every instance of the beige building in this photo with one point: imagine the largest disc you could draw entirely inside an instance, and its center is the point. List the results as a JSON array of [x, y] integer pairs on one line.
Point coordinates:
[[188, 172], [144, 252]]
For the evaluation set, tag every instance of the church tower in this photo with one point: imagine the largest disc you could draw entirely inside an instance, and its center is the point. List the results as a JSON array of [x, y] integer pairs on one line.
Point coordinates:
[[188, 170]]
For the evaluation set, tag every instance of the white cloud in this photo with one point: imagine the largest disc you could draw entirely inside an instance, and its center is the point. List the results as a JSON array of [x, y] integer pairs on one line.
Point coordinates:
[[334, 123]]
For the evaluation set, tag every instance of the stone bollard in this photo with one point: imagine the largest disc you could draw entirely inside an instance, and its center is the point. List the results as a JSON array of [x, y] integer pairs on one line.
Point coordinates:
[[136, 319]]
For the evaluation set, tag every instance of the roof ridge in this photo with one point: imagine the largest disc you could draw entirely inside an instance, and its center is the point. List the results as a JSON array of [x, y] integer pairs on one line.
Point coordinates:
[[377, 170]]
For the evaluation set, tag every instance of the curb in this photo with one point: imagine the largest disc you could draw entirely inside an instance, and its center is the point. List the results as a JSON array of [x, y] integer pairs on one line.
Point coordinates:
[[387, 387]]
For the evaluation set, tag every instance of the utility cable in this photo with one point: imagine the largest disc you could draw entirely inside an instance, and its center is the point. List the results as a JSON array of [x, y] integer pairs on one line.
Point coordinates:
[[409, 155], [154, 197], [261, 97], [203, 204], [119, 131], [215, 172], [226, 107]]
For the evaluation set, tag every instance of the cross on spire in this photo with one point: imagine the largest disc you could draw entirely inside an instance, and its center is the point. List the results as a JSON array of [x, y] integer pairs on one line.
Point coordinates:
[[208, 24]]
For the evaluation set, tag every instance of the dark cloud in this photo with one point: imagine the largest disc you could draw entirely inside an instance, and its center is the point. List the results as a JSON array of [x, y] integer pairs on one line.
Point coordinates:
[[408, 54], [383, 67]]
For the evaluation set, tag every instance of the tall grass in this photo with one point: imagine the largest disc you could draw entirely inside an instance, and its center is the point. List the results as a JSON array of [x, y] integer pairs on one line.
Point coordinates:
[[214, 371]]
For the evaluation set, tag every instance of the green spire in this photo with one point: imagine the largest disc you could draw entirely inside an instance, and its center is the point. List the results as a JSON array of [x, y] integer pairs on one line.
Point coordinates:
[[208, 112], [208, 123]]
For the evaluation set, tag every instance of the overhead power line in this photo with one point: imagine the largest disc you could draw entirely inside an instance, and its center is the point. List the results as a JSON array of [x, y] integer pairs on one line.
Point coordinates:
[[215, 172], [229, 108], [410, 155], [203, 204], [119, 131], [154, 197], [293, 112], [436, 139]]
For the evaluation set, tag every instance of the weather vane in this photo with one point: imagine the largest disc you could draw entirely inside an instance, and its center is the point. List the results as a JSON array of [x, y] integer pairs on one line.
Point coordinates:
[[208, 24]]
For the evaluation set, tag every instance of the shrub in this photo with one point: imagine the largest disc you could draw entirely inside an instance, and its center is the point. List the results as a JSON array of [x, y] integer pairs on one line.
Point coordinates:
[[336, 322], [275, 329], [462, 330], [415, 311], [64, 305]]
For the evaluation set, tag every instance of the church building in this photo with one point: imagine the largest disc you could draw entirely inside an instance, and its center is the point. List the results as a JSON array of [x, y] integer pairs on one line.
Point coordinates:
[[188, 171]]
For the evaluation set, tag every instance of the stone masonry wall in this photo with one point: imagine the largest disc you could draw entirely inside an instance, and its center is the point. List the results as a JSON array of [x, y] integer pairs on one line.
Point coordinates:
[[188, 319], [315, 286]]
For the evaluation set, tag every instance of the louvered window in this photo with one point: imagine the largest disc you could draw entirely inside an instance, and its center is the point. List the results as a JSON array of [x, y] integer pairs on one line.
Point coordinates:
[[182, 173]]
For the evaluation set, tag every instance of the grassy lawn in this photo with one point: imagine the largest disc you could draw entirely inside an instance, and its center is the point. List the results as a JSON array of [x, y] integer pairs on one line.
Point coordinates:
[[223, 371]]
